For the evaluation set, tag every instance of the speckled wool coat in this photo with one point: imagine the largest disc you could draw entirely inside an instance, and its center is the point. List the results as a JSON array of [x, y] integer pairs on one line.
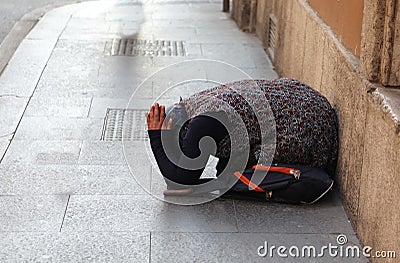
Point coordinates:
[[306, 124]]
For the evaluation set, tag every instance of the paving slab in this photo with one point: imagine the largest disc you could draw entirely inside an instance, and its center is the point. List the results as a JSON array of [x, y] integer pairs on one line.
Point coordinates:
[[58, 107], [69, 180], [228, 39], [42, 152], [167, 7], [63, 11], [27, 63], [109, 77], [140, 163], [75, 247], [145, 213], [102, 153], [158, 184], [49, 28], [259, 56], [172, 86], [71, 35], [182, 34], [261, 73], [89, 10], [73, 88], [326, 216], [243, 247], [125, 12], [85, 25], [169, 61], [75, 77], [12, 35], [78, 53], [78, 48], [125, 67], [59, 128], [74, 59], [32, 213], [11, 110], [112, 153], [165, 13], [74, 66], [97, 26], [99, 106], [4, 142], [222, 72], [235, 54]]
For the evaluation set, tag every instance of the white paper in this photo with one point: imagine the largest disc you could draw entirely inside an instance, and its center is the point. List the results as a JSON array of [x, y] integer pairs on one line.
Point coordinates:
[[211, 168]]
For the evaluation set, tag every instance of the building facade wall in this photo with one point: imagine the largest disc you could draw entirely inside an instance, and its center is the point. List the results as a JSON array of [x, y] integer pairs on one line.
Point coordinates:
[[345, 18], [380, 42], [368, 170]]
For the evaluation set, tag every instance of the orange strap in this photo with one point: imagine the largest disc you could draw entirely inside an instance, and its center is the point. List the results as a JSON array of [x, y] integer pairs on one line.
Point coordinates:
[[285, 170], [292, 171], [247, 182]]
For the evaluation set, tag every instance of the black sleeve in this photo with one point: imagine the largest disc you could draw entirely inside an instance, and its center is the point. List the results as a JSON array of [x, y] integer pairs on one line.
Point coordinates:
[[199, 127]]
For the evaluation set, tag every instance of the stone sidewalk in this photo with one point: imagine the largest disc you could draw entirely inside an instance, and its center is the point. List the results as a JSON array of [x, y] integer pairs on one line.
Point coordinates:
[[67, 193]]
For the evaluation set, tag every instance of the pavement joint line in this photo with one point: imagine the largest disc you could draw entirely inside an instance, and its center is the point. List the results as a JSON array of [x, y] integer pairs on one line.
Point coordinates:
[[90, 107], [65, 212], [80, 150], [150, 247], [236, 214]]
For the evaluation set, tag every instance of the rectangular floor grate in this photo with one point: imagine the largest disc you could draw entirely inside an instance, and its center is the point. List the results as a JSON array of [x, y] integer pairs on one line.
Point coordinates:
[[149, 48], [124, 125]]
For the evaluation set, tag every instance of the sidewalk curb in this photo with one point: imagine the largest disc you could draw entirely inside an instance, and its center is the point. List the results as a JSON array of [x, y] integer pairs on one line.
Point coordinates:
[[8, 48], [19, 31]]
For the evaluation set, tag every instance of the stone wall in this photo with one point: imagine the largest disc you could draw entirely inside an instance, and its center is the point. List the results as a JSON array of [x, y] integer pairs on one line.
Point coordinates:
[[244, 13], [369, 158], [380, 43], [241, 13]]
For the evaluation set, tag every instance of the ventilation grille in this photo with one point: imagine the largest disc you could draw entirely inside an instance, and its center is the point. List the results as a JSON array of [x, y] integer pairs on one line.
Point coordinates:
[[149, 48], [272, 35], [124, 125]]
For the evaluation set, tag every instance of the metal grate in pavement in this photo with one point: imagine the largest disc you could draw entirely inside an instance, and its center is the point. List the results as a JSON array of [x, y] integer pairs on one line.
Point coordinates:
[[150, 48], [124, 125]]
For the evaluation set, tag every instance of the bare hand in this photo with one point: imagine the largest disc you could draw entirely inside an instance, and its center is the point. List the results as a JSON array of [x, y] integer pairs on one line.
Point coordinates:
[[156, 118]]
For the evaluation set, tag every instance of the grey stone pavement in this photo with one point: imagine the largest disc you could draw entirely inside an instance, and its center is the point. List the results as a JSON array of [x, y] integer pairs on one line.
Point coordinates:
[[68, 196]]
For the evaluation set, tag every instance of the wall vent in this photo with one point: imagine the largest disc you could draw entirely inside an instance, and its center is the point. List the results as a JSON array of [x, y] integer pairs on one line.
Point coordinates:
[[272, 36]]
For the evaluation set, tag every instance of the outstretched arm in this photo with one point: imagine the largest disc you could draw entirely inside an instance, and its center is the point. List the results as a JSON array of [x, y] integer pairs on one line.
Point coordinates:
[[200, 127]]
